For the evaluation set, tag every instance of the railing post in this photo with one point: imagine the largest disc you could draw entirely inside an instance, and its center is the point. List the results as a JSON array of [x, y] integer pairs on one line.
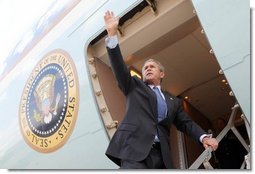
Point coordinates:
[[206, 155]]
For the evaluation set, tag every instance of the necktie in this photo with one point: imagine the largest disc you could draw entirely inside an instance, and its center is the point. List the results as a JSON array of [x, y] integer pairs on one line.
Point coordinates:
[[161, 104]]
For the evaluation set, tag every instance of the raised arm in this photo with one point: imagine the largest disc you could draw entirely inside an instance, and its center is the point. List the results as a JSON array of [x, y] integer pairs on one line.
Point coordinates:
[[119, 67]]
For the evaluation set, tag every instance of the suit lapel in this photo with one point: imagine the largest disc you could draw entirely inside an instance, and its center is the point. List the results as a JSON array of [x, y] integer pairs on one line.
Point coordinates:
[[170, 104], [153, 101]]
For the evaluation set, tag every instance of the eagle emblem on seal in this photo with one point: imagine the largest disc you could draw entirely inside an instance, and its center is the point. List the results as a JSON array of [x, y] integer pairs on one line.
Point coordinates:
[[46, 102]]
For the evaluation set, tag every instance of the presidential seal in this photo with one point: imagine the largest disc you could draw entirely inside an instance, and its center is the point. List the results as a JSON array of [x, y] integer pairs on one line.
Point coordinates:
[[49, 103]]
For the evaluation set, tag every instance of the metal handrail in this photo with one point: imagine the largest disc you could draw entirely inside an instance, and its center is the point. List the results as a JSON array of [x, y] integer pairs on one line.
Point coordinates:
[[206, 154]]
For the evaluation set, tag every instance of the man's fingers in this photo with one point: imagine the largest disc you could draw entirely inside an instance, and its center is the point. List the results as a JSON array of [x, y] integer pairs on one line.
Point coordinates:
[[109, 17], [111, 23], [205, 146], [212, 142], [109, 14]]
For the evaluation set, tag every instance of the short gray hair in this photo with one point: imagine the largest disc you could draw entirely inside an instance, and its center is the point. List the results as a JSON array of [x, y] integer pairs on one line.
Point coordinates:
[[161, 67]]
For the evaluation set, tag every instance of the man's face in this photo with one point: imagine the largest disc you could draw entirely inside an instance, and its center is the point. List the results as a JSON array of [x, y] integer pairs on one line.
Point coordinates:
[[151, 73]]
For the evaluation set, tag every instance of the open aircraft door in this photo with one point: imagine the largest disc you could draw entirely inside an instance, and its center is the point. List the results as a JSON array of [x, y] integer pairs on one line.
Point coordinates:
[[227, 27]]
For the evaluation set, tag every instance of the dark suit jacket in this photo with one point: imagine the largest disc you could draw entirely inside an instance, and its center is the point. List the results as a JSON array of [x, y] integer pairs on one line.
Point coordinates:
[[135, 135]]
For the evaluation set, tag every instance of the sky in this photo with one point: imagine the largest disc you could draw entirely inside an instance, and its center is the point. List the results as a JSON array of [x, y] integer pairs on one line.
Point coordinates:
[[17, 17]]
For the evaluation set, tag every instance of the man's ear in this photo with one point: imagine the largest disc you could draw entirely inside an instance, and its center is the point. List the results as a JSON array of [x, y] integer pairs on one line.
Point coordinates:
[[162, 74]]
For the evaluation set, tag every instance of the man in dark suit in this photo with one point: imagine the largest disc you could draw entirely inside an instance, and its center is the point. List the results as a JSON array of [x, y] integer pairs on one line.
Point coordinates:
[[141, 140]]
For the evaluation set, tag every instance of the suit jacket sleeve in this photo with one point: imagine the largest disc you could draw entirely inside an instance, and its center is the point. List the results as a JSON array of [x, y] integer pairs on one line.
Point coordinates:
[[185, 124], [120, 69]]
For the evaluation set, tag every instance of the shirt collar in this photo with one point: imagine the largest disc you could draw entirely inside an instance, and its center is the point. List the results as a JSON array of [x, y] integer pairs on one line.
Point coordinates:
[[152, 86]]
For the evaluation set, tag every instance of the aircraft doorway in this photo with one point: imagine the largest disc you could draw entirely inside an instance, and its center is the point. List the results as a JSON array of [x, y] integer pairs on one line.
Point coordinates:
[[173, 35]]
